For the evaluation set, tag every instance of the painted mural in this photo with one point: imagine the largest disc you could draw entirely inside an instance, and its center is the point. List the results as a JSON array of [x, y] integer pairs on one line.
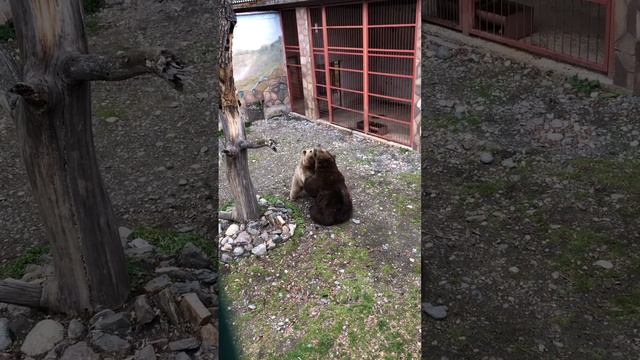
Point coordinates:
[[258, 63]]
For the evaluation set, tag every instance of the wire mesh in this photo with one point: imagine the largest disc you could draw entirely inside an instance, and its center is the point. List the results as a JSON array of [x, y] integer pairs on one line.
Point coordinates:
[[371, 52], [293, 61], [574, 31]]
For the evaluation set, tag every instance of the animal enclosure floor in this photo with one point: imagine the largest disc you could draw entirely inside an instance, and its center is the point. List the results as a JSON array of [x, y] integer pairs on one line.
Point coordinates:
[[535, 253], [349, 291]]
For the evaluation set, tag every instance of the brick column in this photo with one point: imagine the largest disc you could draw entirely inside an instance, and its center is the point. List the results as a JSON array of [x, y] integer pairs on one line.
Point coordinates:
[[417, 99], [306, 51]]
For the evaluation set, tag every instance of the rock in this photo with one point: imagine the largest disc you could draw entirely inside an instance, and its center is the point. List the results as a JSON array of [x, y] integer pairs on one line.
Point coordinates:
[[227, 247], [605, 264], [271, 245], [146, 353], [206, 276], [232, 230], [443, 53], [185, 287], [184, 344], [275, 111], [140, 253], [554, 136], [79, 351], [259, 250], [20, 326], [76, 329], [193, 309], [157, 284], [356, 221], [112, 119], [555, 275], [114, 323], [5, 337], [17, 310], [478, 218], [42, 338], [125, 233], [110, 343], [168, 306], [226, 258], [277, 239], [193, 257], [144, 312], [140, 243], [243, 238], [514, 269], [436, 312], [182, 182], [238, 251], [209, 335], [634, 143], [508, 163], [173, 272], [182, 356], [486, 157]]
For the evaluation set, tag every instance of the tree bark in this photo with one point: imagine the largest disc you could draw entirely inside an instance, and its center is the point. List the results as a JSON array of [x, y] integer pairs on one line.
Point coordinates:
[[21, 293], [236, 158], [53, 122]]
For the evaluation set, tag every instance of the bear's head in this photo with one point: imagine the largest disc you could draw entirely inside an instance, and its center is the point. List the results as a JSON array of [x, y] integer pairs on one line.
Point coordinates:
[[307, 159], [324, 159]]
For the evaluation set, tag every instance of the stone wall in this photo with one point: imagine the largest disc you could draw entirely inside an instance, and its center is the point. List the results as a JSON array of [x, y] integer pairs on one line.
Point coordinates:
[[306, 52]]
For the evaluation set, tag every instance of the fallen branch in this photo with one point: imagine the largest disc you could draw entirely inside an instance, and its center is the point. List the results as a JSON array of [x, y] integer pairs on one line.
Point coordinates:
[[160, 62], [21, 293]]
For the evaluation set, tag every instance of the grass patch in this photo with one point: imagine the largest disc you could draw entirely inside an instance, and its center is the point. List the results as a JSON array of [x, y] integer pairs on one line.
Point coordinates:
[[451, 122], [138, 274], [577, 245], [7, 32], [171, 243], [92, 25], [483, 89], [627, 307], [614, 175], [106, 111], [411, 178], [486, 188], [16, 268], [583, 86], [352, 324], [296, 213], [226, 206]]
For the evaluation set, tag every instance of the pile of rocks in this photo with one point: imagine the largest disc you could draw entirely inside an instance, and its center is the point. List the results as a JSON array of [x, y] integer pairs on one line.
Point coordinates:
[[173, 316], [275, 227]]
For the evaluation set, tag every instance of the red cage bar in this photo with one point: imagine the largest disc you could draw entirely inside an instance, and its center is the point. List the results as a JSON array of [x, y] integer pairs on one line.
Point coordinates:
[[573, 31], [364, 61]]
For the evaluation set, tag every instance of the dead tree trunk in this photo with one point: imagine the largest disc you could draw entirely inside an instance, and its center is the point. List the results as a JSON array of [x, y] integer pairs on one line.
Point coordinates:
[[50, 102], [236, 144]]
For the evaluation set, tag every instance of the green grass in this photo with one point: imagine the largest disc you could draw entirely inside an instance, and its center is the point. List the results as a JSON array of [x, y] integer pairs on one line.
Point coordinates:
[[7, 32], [138, 274], [627, 307], [106, 111], [92, 25], [615, 175], [483, 89], [171, 243], [226, 206], [583, 86], [16, 268], [345, 328], [576, 244], [486, 188], [296, 213], [451, 122]]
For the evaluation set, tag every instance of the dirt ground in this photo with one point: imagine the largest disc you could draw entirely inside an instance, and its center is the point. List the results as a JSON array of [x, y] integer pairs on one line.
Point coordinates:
[[160, 137], [348, 291], [531, 214]]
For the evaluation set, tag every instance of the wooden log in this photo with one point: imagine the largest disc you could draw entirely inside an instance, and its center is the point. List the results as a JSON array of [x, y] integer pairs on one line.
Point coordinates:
[[21, 293]]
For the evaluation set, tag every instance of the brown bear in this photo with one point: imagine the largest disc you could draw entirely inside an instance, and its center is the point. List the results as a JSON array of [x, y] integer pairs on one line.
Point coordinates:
[[332, 203], [306, 167]]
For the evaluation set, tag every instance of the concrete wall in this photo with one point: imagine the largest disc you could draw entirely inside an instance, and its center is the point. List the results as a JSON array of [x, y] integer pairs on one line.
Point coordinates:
[[624, 60]]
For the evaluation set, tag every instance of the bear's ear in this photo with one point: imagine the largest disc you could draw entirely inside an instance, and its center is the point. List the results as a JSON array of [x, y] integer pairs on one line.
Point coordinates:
[[304, 152]]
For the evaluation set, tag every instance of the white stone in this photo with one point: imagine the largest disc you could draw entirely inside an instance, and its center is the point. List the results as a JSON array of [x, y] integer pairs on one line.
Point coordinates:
[[43, 337]]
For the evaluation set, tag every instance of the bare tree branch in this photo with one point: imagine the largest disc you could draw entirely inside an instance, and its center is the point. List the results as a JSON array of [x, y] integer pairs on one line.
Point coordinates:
[[232, 150], [162, 63]]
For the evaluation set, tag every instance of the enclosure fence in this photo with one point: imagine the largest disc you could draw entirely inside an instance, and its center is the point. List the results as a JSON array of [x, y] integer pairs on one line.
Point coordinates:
[[292, 55], [364, 61], [574, 31]]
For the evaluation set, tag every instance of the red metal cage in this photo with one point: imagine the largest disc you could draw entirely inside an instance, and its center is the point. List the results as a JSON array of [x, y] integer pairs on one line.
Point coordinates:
[[293, 64], [573, 31], [364, 61]]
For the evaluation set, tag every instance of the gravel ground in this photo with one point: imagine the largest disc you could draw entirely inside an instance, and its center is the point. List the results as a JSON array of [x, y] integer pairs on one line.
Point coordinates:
[[531, 215], [319, 295], [159, 138]]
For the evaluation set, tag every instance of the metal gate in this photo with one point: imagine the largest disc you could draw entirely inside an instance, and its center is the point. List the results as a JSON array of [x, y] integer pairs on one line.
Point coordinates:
[[292, 55], [364, 61], [574, 31]]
